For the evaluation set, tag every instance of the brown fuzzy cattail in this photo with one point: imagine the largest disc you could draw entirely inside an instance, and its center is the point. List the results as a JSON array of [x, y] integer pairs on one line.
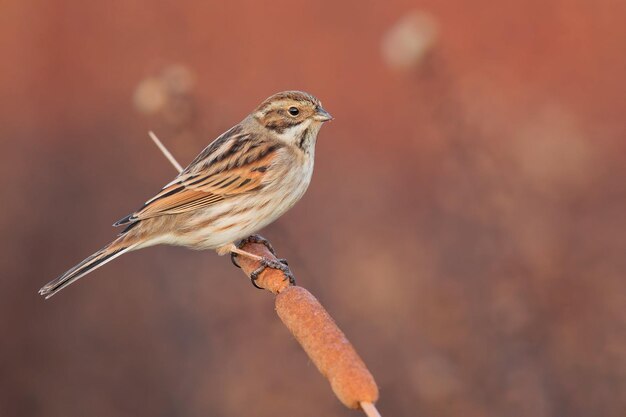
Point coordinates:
[[316, 331], [327, 346]]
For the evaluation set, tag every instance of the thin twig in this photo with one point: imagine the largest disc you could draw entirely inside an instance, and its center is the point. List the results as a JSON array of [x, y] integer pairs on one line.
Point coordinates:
[[370, 409], [167, 153]]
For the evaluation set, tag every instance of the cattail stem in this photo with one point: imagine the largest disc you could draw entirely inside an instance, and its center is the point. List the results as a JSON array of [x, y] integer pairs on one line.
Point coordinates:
[[312, 326], [369, 409]]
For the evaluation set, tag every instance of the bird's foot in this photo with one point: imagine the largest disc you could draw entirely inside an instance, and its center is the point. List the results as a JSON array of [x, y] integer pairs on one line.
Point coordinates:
[[257, 239], [280, 264], [253, 239]]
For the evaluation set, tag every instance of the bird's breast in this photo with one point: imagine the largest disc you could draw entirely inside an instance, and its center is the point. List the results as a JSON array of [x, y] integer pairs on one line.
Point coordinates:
[[241, 216]]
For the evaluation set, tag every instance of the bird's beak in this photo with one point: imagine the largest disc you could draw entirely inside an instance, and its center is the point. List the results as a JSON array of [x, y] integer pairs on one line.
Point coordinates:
[[322, 115]]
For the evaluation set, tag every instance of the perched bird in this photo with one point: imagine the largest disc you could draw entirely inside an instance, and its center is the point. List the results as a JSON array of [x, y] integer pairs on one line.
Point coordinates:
[[244, 180]]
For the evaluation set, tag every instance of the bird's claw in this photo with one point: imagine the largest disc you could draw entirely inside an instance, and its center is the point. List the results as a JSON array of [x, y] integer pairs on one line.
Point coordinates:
[[233, 259], [257, 239], [280, 264], [253, 239]]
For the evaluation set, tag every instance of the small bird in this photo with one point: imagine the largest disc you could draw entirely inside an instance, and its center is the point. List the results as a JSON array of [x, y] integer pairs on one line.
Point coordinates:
[[244, 180]]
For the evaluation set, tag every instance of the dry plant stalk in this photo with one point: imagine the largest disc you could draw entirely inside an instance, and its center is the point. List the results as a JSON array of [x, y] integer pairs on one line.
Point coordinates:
[[312, 326], [317, 333]]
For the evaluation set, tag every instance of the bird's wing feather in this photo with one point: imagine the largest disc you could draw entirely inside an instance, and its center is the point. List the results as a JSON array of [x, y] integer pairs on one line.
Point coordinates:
[[232, 165]]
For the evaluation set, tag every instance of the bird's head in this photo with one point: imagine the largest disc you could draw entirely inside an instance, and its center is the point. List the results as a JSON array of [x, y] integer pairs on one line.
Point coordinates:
[[293, 116]]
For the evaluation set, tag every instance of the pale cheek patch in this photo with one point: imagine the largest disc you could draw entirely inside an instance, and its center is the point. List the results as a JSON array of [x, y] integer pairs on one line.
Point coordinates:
[[292, 134]]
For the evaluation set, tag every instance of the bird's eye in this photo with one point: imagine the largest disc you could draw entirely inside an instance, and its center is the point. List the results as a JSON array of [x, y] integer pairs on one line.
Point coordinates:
[[294, 111]]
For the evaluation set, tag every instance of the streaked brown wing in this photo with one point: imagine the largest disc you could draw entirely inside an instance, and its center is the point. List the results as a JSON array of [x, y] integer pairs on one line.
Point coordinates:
[[230, 166]]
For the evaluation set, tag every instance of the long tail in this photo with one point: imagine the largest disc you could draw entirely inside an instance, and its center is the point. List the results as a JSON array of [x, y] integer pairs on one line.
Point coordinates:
[[95, 261]]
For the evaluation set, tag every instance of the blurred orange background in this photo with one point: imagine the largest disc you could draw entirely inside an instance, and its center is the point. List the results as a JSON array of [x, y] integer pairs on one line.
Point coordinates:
[[465, 225]]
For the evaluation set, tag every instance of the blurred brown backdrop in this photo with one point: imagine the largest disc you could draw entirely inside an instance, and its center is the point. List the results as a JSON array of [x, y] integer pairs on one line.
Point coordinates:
[[465, 225]]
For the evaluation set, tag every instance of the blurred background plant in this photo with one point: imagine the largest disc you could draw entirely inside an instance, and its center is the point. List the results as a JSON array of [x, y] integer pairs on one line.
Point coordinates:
[[475, 167]]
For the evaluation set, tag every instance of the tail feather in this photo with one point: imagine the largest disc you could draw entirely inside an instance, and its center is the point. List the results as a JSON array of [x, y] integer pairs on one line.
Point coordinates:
[[93, 262]]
